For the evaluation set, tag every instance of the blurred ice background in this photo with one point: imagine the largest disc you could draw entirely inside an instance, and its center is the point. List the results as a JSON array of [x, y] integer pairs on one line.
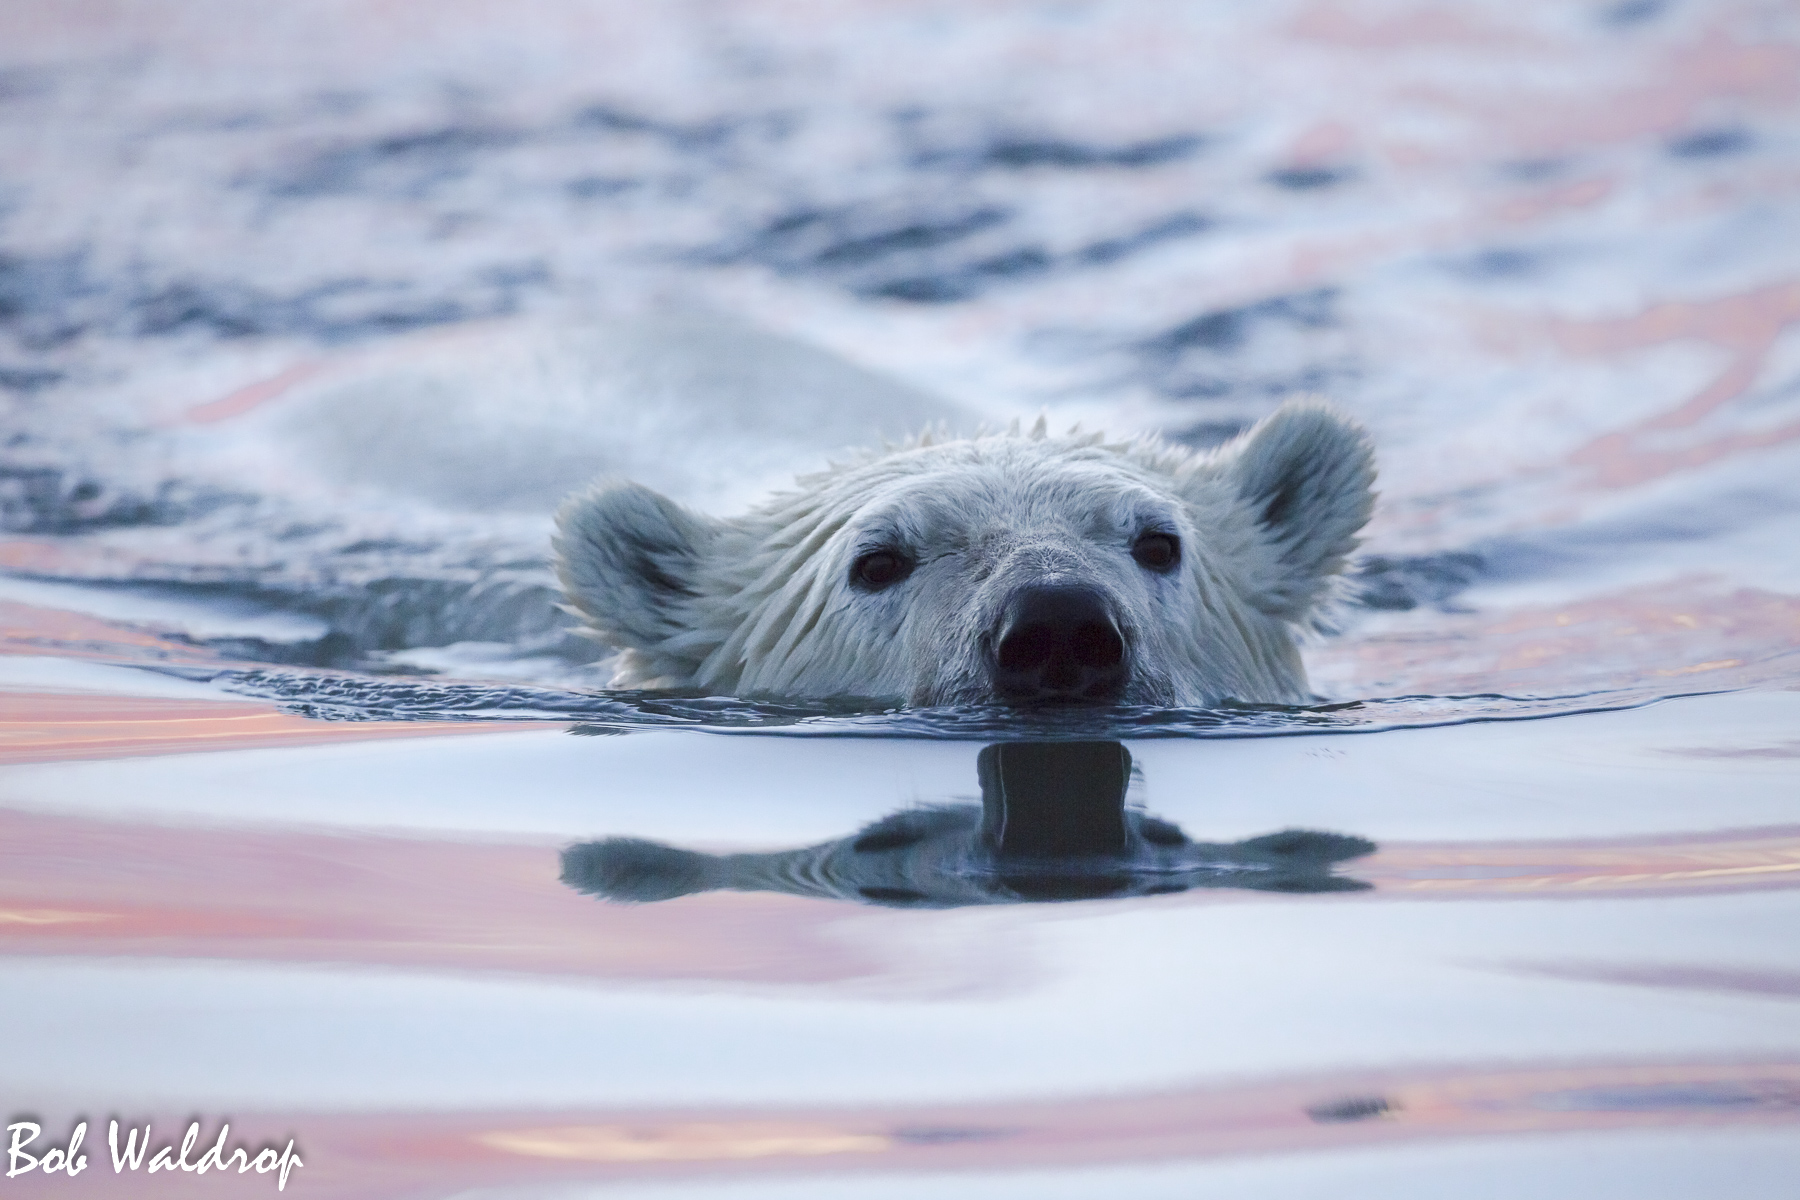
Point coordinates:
[[309, 313]]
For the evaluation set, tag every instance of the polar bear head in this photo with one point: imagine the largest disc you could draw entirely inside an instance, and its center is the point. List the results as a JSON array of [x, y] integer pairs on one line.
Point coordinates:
[[1017, 568]]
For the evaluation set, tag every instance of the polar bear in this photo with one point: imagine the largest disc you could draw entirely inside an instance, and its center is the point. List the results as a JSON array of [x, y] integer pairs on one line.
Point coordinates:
[[1015, 568]]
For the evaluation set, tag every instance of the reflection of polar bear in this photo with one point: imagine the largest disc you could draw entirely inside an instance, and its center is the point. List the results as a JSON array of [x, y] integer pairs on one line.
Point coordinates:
[[935, 858], [1015, 567], [1053, 825]]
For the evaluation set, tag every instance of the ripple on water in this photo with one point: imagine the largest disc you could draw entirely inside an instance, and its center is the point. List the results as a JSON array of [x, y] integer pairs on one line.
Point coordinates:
[[346, 696]]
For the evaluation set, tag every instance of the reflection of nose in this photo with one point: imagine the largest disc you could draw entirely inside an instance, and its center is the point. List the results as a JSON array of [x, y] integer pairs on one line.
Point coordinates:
[[1047, 800], [1059, 644]]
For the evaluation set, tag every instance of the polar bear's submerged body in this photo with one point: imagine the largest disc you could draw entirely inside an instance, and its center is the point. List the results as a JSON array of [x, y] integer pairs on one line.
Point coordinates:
[[1017, 568]]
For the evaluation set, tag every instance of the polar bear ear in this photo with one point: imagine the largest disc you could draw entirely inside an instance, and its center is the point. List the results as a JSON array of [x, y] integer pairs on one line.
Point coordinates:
[[626, 557], [1307, 474]]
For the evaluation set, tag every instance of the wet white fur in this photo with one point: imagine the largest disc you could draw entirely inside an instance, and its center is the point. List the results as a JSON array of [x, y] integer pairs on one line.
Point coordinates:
[[762, 604]]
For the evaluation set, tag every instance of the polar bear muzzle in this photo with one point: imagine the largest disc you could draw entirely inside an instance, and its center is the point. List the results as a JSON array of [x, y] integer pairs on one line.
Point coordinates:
[[1059, 645]]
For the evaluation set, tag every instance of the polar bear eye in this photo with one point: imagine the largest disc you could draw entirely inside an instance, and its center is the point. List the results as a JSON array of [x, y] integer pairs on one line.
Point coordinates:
[[880, 568], [1157, 551]]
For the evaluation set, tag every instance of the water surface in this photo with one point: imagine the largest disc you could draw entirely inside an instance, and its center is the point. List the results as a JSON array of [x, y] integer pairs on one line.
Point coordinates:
[[318, 819]]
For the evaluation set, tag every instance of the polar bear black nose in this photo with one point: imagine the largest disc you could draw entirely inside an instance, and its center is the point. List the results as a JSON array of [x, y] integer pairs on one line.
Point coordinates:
[[1059, 645]]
